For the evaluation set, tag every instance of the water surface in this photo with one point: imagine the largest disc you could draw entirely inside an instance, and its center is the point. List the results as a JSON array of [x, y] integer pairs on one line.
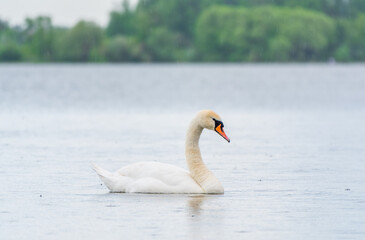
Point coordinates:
[[293, 170]]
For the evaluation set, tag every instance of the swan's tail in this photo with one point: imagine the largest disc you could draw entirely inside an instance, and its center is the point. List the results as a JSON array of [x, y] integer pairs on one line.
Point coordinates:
[[106, 176]]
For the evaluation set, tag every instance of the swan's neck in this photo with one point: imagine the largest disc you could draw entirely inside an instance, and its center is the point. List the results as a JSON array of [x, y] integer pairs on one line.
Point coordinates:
[[198, 170]]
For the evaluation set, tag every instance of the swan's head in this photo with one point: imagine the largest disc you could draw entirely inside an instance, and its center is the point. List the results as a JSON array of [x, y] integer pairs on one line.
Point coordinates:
[[212, 121]]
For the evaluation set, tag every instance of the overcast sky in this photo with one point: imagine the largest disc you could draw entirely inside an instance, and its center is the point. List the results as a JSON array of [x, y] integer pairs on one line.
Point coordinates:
[[63, 12]]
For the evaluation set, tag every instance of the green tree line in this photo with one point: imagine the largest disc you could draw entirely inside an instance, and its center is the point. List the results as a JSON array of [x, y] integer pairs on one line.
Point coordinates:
[[199, 31]]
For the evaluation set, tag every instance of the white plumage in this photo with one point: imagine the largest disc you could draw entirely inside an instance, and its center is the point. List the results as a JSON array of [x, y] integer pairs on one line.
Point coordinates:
[[149, 177], [155, 177]]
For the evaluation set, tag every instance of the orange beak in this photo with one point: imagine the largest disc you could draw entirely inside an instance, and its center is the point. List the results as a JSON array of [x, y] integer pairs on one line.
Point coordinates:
[[220, 131]]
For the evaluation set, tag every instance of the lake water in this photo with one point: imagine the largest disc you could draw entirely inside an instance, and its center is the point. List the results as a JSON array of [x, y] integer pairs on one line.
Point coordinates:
[[295, 167]]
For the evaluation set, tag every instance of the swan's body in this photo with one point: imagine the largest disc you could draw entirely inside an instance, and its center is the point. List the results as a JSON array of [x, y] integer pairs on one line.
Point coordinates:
[[155, 177], [150, 177]]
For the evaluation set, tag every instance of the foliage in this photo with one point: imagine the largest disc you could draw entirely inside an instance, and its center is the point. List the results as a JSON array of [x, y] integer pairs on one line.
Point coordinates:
[[121, 22], [3, 25], [10, 53], [263, 34], [214, 32], [39, 39], [355, 39], [81, 43], [198, 30], [162, 45], [174, 15], [334, 8], [122, 49]]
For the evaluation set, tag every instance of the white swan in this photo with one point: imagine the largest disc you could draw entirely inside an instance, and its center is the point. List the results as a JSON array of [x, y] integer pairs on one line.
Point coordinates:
[[155, 177]]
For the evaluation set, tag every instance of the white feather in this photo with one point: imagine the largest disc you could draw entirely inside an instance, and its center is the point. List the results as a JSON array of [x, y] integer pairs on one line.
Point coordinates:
[[155, 177]]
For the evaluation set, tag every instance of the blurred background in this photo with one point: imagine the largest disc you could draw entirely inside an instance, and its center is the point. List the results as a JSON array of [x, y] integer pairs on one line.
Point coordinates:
[[183, 31], [96, 81]]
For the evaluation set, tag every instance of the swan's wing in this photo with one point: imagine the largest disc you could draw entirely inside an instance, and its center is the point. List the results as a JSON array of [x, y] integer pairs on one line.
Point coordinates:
[[159, 178], [114, 181]]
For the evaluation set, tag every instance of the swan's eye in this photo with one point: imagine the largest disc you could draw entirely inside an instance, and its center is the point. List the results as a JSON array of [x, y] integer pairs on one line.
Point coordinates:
[[217, 123]]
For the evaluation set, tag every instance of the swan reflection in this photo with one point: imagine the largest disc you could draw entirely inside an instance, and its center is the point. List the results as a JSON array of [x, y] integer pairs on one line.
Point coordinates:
[[195, 202], [199, 220]]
